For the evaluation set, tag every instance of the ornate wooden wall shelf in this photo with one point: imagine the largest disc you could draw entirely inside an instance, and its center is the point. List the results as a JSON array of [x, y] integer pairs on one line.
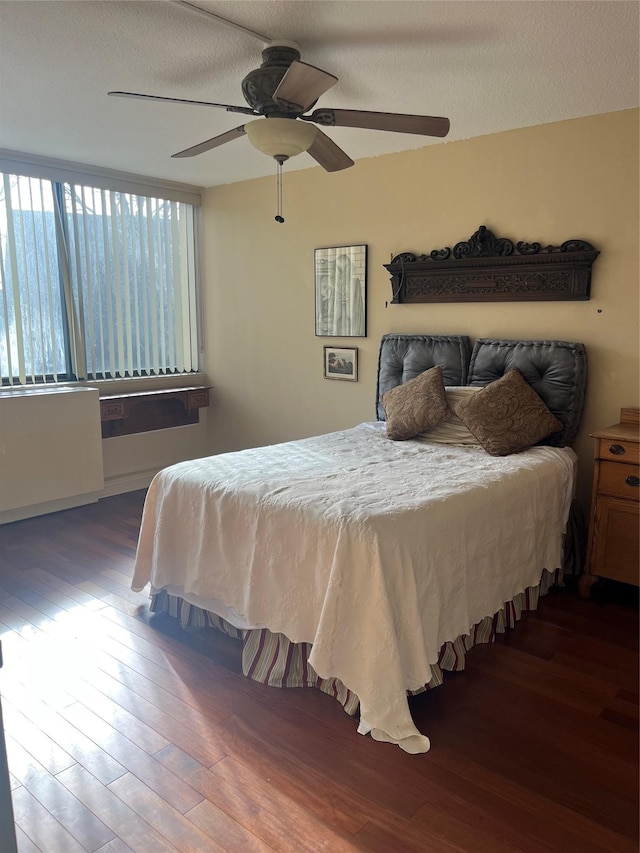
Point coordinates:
[[143, 411], [487, 268]]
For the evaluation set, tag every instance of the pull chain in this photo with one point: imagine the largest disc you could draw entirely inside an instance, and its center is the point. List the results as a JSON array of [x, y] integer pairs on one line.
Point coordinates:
[[279, 161]]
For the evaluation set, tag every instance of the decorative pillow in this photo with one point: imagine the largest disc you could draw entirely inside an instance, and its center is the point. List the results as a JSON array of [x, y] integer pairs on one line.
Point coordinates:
[[416, 405], [453, 431], [507, 416]]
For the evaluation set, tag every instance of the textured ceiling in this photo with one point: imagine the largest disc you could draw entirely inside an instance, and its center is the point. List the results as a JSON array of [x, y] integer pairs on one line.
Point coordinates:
[[489, 66]]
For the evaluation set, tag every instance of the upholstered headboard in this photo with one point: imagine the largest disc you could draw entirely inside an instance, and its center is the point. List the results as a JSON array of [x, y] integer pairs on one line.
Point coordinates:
[[402, 357], [556, 370]]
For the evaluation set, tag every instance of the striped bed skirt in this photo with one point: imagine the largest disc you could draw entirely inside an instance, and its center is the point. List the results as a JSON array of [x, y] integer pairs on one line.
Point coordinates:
[[272, 659]]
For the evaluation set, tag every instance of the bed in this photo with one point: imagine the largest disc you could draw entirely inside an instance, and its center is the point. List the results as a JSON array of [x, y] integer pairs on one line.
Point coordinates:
[[363, 565]]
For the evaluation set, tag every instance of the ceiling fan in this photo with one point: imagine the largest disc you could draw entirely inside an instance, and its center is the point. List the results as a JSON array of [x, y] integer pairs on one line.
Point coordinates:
[[280, 94]]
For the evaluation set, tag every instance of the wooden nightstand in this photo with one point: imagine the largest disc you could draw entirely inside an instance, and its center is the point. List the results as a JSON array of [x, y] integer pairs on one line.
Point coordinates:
[[614, 529]]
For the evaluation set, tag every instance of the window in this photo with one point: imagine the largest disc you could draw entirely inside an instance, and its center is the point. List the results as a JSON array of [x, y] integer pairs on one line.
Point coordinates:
[[94, 283]]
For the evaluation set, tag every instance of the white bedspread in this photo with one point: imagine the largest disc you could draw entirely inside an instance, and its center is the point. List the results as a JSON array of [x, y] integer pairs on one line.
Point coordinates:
[[376, 552]]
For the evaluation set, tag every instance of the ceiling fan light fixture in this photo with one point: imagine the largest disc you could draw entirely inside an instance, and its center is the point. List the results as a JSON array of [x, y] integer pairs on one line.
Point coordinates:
[[280, 137]]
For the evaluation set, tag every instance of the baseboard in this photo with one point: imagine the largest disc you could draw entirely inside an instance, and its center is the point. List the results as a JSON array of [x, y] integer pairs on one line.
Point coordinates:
[[127, 483], [22, 512], [112, 486]]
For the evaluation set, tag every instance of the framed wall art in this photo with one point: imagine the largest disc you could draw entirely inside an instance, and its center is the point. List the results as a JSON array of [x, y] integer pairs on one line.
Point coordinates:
[[341, 363], [341, 291]]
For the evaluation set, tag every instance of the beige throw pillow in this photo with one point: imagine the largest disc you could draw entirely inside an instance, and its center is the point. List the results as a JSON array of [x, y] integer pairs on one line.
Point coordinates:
[[415, 406], [507, 416]]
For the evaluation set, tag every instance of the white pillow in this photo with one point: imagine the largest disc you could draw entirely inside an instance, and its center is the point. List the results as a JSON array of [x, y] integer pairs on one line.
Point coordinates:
[[452, 431]]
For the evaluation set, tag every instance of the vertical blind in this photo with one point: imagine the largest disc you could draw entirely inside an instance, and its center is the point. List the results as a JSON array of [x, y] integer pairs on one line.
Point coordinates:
[[31, 319], [95, 283]]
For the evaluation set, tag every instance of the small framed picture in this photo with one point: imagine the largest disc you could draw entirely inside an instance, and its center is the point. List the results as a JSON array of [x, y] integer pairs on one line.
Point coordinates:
[[341, 291], [341, 363]]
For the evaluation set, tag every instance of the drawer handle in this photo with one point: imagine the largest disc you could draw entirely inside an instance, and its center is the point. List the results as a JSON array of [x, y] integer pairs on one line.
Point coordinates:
[[632, 481], [616, 449]]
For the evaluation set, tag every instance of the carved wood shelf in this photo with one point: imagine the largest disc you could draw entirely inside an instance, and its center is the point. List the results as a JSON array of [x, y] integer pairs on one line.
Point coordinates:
[[487, 268], [144, 411]]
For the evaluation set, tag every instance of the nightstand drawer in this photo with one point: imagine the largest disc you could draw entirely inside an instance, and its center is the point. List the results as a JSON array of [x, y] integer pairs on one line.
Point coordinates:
[[620, 450], [619, 480]]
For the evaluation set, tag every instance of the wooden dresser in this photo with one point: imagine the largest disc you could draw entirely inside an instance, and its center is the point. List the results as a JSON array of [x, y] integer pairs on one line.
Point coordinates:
[[614, 527]]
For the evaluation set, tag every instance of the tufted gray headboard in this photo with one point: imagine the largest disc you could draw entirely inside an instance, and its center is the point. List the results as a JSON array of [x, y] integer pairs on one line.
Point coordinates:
[[402, 357], [556, 370]]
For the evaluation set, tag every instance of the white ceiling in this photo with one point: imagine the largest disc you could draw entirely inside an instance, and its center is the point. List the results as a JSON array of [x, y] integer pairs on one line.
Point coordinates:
[[489, 65]]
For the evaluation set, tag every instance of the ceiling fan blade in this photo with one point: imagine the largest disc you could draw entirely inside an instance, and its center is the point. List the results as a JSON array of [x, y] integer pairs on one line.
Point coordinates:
[[325, 152], [303, 84], [222, 20], [398, 122], [227, 107], [214, 142]]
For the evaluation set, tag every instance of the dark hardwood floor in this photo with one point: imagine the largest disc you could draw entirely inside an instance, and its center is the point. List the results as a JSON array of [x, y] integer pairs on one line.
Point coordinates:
[[125, 732]]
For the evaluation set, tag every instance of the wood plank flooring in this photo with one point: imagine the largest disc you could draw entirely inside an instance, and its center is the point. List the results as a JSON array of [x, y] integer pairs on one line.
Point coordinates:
[[127, 733]]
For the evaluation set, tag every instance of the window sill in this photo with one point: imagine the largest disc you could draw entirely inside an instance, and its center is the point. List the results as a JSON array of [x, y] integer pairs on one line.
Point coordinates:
[[110, 386], [132, 384]]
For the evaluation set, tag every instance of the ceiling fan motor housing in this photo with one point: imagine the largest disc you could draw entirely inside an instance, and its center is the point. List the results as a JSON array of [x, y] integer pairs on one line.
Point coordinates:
[[259, 85]]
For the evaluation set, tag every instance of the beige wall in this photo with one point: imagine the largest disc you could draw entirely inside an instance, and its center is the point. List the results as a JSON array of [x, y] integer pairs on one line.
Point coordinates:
[[548, 183]]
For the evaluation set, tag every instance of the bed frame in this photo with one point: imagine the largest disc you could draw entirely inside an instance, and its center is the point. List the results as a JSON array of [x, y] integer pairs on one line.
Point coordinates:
[[557, 370]]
